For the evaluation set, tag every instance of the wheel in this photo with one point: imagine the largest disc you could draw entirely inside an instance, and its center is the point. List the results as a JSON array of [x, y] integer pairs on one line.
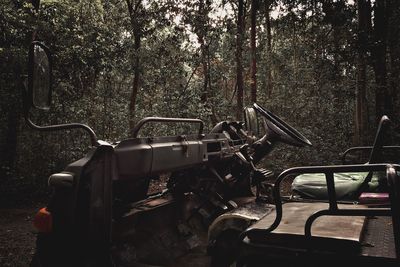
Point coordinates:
[[225, 249], [35, 261]]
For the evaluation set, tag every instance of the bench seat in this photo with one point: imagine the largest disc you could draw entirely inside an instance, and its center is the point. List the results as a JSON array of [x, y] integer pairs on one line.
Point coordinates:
[[329, 233]]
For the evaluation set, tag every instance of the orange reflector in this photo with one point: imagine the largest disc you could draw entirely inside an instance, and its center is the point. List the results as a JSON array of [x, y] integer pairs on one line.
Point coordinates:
[[43, 221]]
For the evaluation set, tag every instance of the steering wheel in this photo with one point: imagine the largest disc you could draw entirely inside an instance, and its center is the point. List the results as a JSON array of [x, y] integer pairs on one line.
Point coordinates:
[[279, 130]]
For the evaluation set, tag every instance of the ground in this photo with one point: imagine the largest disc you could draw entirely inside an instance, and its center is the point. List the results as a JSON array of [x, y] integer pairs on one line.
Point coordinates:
[[17, 235]]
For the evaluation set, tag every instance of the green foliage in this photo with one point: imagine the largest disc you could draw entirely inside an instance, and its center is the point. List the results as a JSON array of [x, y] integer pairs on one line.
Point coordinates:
[[312, 62]]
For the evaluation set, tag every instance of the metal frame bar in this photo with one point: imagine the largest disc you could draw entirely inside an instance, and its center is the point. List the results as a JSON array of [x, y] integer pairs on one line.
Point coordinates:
[[142, 122], [364, 148], [383, 127], [67, 126], [394, 194]]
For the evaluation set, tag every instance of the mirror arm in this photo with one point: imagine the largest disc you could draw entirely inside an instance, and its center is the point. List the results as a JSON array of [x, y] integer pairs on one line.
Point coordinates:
[[67, 126]]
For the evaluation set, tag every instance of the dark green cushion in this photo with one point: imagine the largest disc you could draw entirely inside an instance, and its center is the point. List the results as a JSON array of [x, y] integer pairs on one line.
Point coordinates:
[[313, 185]]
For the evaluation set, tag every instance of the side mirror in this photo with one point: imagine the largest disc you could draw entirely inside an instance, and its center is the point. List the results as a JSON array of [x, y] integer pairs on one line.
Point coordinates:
[[39, 91], [39, 76], [251, 121]]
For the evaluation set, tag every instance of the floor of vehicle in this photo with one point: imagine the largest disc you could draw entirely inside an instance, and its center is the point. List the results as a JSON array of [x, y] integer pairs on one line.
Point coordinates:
[[378, 238], [330, 233], [372, 240]]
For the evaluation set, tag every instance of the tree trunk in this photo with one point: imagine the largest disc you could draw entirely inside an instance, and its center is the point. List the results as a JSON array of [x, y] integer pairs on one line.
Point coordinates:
[[136, 78], [336, 45], [239, 59], [204, 50], [253, 33], [9, 153], [294, 46], [382, 99], [137, 35], [360, 114], [269, 52], [204, 93], [394, 55]]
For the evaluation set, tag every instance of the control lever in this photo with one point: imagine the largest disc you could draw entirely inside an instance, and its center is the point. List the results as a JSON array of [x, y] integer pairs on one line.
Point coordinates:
[[243, 150], [258, 175]]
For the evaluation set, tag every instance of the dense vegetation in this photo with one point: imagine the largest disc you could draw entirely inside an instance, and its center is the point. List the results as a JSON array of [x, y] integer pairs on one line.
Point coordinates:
[[329, 68]]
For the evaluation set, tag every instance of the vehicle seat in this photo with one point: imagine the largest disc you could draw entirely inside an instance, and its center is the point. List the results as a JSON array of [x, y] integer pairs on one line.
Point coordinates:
[[313, 185], [347, 185], [329, 233]]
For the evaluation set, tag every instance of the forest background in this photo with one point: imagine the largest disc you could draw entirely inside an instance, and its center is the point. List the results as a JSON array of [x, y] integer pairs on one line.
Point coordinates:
[[329, 68]]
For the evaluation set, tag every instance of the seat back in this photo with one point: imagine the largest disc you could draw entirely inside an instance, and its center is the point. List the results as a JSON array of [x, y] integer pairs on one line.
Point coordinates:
[[382, 130]]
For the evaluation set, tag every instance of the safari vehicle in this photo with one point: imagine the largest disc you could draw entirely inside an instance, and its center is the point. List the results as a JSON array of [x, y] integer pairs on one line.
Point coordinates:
[[101, 212]]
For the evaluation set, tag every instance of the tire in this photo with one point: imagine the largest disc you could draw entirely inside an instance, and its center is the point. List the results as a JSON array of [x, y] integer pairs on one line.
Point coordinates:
[[226, 249], [35, 261]]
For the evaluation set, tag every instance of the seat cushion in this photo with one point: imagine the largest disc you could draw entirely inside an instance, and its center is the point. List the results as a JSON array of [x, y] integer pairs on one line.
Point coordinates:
[[313, 185], [328, 232], [374, 199]]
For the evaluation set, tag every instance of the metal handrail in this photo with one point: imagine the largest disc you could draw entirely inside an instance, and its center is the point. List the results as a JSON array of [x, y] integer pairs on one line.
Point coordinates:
[[141, 123], [68, 126], [394, 194], [364, 148], [394, 211]]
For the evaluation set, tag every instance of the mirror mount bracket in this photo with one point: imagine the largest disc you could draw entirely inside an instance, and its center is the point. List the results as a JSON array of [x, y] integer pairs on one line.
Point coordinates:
[[68, 126]]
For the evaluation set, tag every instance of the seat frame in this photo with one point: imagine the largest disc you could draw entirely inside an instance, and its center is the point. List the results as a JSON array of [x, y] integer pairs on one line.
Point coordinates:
[[333, 209]]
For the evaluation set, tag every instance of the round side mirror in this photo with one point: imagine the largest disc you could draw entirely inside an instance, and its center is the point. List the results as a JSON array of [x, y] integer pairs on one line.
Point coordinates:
[[251, 121], [39, 76]]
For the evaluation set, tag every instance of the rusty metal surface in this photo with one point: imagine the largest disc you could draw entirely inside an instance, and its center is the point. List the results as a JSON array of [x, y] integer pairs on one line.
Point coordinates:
[[378, 238], [240, 218], [296, 214]]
